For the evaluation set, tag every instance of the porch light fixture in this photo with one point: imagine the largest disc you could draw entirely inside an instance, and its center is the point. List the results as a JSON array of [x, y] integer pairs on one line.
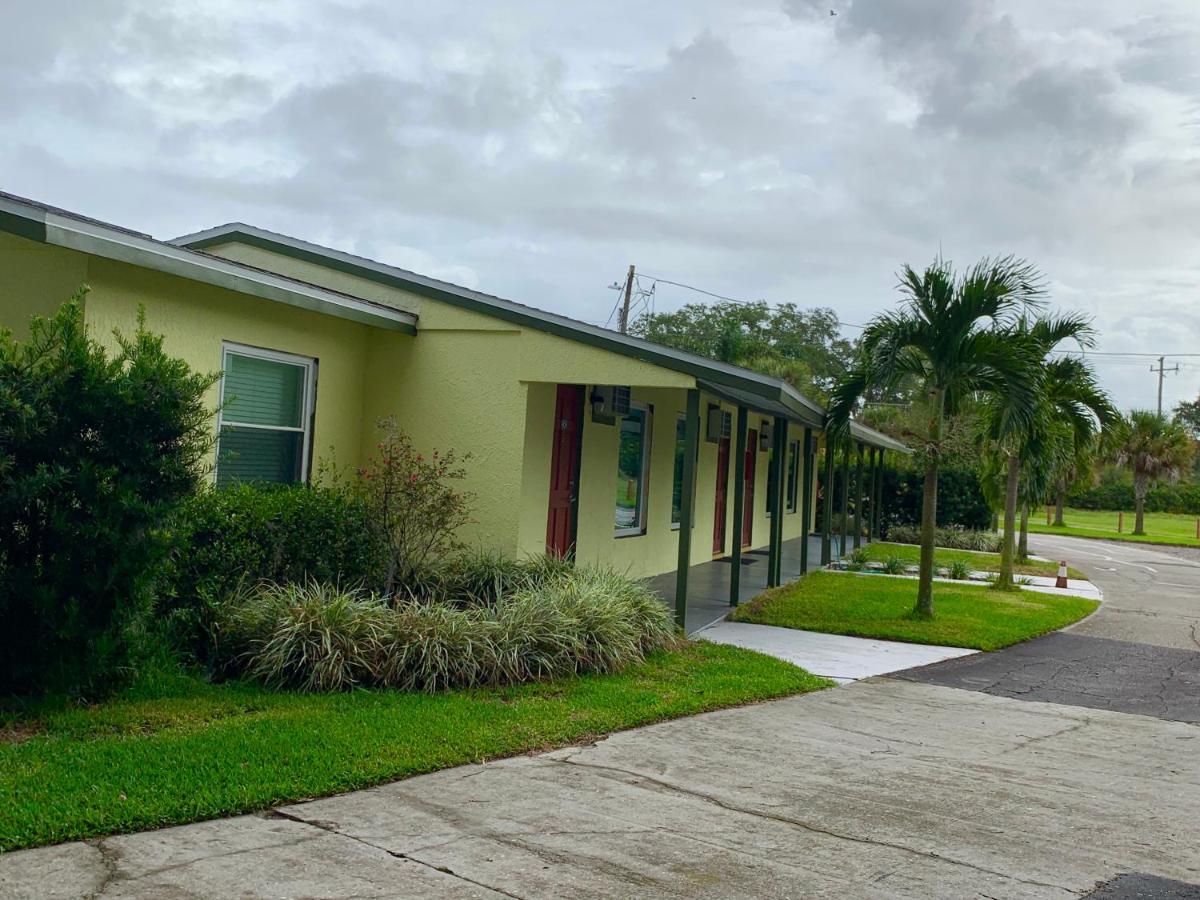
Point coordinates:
[[764, 436]]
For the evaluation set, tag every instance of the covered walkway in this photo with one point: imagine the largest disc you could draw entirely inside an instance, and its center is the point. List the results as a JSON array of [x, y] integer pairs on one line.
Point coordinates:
[[709, 587]]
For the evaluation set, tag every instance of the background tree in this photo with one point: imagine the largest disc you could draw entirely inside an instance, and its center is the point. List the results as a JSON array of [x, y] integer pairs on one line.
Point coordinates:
[[952, 338], [1155, 449], [1187, 414], [802, 346], [1036, 449]]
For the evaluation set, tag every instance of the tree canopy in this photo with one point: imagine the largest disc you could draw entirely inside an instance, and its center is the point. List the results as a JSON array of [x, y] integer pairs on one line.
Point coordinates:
[[802, 346]]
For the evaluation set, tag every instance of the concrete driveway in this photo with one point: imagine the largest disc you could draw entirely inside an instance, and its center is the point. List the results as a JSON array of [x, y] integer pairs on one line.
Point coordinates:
[[889, 787]]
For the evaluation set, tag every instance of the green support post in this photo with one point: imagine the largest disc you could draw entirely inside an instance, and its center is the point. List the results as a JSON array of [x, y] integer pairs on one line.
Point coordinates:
[[687, 503], [827, 506], [877, 504], [859, 498], [873, 487], [806, 510], [842, 532], [739, 503], [775, 549]]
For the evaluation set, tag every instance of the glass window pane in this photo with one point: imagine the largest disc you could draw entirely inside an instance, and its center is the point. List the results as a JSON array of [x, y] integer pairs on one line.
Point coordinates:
[[630, 458], [677, 483], [263, 392], [255, 454]]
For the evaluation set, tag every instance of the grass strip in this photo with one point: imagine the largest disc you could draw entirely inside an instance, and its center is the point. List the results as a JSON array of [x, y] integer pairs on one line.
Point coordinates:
[[180, 750], [878, 606]]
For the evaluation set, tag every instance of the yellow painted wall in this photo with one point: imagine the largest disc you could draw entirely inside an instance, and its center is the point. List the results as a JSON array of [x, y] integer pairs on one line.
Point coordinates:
[[194, 319], [35, 279]]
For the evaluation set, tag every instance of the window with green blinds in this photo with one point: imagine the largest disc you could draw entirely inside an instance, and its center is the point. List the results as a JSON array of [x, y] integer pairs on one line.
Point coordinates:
[[264, 417]]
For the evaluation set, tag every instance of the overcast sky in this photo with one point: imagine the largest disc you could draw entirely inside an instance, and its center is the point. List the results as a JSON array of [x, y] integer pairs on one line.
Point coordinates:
[[756, 149]]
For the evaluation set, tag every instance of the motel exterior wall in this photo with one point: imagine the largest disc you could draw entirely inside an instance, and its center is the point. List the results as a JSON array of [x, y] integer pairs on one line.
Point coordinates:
[[470, 381], [485, 386]]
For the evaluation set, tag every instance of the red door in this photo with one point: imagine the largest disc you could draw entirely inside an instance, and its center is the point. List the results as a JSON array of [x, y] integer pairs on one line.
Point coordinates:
[[748, 467], [564, 470], [722, 490]]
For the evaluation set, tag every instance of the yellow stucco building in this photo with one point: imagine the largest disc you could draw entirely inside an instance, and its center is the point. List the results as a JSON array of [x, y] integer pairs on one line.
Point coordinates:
[[578, 436]]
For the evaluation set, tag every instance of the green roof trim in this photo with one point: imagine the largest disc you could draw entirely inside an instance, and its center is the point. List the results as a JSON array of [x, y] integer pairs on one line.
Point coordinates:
[[762, 392], [800, 407]]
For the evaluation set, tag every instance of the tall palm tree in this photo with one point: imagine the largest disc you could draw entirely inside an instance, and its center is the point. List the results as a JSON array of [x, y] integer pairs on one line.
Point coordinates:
[[1070, 409], [1155, 449], [952, 337]]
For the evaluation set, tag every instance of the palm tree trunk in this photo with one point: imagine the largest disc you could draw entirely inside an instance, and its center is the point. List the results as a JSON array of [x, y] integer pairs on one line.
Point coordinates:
[[1060, 502], [1007, 547], [1139, 498], [1023, 543], [924, 607]]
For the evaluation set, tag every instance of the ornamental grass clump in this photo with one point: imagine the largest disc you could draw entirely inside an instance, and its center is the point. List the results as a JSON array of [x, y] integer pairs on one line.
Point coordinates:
[[311, 635], [317, 637]]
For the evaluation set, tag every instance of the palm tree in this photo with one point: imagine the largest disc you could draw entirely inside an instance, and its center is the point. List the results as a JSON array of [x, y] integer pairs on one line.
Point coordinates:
[[1155, 449], [951, 336], [1070, 409]]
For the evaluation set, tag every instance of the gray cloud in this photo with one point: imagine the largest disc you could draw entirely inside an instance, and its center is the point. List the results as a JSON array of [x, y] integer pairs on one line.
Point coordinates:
[[535, 149]]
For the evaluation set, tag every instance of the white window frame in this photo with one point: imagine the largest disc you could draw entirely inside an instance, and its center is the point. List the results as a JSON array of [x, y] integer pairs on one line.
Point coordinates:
[[308, 409], [639, 528]]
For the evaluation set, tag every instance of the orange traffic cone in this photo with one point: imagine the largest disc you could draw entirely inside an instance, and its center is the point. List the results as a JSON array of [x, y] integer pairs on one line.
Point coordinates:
[[1061, 580]]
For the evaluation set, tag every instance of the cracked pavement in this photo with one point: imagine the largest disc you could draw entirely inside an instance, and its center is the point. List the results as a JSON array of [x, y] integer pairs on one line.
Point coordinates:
[[888, 787]]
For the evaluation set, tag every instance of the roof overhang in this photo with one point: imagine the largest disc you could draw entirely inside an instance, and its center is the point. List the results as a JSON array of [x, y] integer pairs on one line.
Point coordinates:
[[762, 403], [873, 438], [38, 223]]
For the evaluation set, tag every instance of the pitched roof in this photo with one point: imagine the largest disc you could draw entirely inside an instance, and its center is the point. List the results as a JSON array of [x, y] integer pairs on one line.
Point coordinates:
[[51, 225]]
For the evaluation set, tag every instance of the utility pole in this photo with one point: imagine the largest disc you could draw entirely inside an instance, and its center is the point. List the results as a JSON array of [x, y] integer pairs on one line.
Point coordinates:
[[1160, 369], [623, 325]]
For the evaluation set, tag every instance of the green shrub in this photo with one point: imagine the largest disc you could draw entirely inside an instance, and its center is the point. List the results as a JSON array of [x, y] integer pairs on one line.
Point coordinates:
[[857, 561], [416, 511], [950, 538], [234, 537], [317, 637], [312, 636], [481, 578], [894, 565], [97, 448], [959, 570]]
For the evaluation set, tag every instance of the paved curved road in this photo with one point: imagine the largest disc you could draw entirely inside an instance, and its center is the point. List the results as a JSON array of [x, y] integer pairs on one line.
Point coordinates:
[[1068, 767], [1140, 653]]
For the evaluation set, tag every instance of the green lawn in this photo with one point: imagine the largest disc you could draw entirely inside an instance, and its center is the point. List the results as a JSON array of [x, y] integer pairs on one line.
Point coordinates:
[[1161, 528], [186, 750], [879, 606], [981, 562]]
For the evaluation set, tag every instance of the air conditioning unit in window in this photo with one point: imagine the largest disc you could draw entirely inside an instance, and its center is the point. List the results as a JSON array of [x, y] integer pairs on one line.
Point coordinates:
[[609, 401]]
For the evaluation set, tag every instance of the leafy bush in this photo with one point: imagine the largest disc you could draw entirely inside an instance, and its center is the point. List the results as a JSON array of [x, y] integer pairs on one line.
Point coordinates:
[[237, 536], [415, 509], [894, 565], [98, 448], [317, 637], [959, 570], [857, 560], [950, 538], [1114, 491], [961, 503], [481, 578]]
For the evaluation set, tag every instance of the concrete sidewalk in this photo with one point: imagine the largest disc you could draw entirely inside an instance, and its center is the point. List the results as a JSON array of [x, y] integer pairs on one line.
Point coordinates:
[[880, 789], [835, 656]]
